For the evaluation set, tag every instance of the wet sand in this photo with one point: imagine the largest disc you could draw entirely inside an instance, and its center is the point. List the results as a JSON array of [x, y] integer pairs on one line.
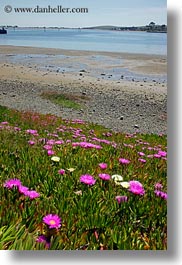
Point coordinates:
[[112, 100]]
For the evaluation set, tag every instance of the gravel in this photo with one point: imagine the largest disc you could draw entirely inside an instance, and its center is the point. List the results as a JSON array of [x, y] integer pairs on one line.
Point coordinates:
[[116, 109]]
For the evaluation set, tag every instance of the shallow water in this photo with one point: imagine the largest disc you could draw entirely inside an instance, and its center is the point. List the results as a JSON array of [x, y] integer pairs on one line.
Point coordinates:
[[99, 66], [90, 40]]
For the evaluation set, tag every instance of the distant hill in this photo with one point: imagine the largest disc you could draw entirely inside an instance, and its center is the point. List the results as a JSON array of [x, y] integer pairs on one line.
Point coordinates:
[[152, 27]]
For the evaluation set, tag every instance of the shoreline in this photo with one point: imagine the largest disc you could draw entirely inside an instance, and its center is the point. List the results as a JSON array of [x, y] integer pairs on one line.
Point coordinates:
[[120, 105], [48, 51]]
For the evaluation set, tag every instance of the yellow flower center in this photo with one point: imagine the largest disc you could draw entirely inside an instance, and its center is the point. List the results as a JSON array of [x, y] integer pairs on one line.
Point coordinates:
[[52, 222]]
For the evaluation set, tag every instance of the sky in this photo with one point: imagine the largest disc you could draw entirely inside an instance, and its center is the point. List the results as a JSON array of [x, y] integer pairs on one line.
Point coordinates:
[[100, 12]]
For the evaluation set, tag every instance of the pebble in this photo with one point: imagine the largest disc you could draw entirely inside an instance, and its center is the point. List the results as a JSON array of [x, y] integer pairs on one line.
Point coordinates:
[[108, 103]]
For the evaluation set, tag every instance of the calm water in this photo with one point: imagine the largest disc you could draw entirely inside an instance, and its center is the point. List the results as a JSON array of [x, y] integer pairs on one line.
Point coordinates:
[[91, 40]]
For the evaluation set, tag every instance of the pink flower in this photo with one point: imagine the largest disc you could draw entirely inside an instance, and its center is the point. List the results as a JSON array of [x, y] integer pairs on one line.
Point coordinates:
[[104, 176], [31, 142], [12, 183], [47, 147], [50, 152], [59, 142], [157, 156], [150, 156], [162, 153], [33, 132], [43, 239], [23, 189], [103, 165], [120, 199], [141, 153], [124, 161], [32, 194], [51, 142], [87, 179], [52, 220], [161, 194], [142, 160], [61, 171], [136, 187], [158, 186], [4, 122]]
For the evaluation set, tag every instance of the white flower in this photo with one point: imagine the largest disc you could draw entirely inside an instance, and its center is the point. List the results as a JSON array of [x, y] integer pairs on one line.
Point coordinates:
[[125, 184], [71, 169], [55, 158], [117, 179]]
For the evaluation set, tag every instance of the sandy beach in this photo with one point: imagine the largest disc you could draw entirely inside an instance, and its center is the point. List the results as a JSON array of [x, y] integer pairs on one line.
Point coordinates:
[[123, 92]]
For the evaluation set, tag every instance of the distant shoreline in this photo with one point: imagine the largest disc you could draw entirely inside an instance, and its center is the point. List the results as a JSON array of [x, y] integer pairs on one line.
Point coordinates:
[[148, 28]]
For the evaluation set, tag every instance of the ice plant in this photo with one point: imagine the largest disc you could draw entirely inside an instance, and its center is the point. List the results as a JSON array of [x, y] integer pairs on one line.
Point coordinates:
[[157, 155], [141, 153], [161, 194], [31, 142], [125, 184], [12, 183], [55, 158], [142, 160], [117, 179], [136, 187], [47, 147], [103, 165], [121, 199], [33, 132], [23, 189], [50, 152], [104, 176], [158, 186], [87, 179], [52, 220], [61, 171], [32, 194], [43, 239], [162, 153], [124, 161]]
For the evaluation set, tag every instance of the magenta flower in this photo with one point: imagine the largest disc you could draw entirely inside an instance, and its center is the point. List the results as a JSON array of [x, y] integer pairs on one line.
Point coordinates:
[[47, 147], [103, 165], [141, 153], [51, 142], [61, 171], [142, 160], [136, 187], [121, 199], [43, 239], [162, 153], [12, 183], [150, 156], [161, 194], [33, 132], [158, 186], [23, 189], [58, 142], [4, 122], [52, 220], [31, 142], [157, 155], [87, 179], [32, 194], [104, 176], [50, 152], [124, 161], [86, 145]]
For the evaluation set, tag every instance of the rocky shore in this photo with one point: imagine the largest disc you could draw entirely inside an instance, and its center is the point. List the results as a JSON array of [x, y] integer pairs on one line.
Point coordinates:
[[119, 105]]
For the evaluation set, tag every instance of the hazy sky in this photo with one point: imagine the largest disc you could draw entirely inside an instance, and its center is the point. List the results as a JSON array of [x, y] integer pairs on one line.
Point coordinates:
[[100, 12]]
